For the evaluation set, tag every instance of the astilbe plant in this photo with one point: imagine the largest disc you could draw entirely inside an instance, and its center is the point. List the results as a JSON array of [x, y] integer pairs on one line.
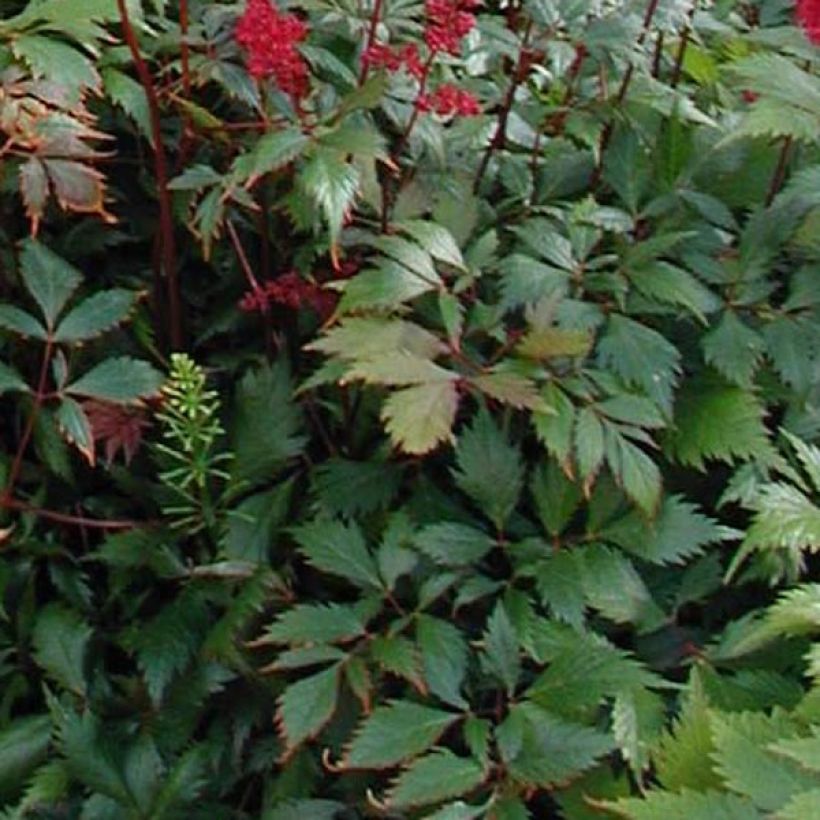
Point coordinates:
[[481, 481]]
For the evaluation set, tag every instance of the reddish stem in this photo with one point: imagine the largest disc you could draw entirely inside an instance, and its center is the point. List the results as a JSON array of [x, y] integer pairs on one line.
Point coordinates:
[[64, 518], [375, 16], [168, 248], [39, 397]]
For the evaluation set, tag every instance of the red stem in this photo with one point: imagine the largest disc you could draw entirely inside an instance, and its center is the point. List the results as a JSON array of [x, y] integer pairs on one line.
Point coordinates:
[[168, 248], [39, 396], [63, 518], [375, 16]]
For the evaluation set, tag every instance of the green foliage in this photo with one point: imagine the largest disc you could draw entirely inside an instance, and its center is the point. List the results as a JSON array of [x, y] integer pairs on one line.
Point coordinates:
[[362, 457]]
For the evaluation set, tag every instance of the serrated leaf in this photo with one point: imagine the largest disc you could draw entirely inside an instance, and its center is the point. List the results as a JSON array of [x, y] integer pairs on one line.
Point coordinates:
[[436, 777], [332, 182], [129, 95], [556, 497], [510, 389], [444, 657], [717, 421], [553, 750], [733, 349], [398, 368], [339, 548], [803, 750], [559, 582], [307, 705], [121, 380], [347, 487], [686, 805], [267, 424], [395, 733], [638, 716], [60, 640], [272, 152], [34, 188], [801, 806], [642, 357], [76, 428], [24, 744], [555, 428], [315, 623], [48, 278], [554, 342], [670, 284], [489, 469], [95, 315], [421, 417], [358, 338], [748, 768], [452, 544], [20, 322], [48, 57], [589, 444], [501, 656], [634, 470], [436, 239], [399, 656]]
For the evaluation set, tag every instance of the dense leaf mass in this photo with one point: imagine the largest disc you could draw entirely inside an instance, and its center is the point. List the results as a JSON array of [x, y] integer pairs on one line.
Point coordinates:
[[409, 409]]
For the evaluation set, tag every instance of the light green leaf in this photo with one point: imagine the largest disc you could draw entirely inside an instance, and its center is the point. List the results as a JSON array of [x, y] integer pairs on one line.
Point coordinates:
[[48, 278], [436, 239], [554, 342], [421, 417], [121, 380], [489, 469], [60, 640], [272, 152], [555, 428], [51, 58], [686, 805], [307, 705], [803, 750], [436, 777], [338, 548], [95, 315], [801, 806]]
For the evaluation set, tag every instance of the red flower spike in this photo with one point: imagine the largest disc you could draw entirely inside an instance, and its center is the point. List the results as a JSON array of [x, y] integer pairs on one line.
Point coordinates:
[[270, 39], [448, 22], [449, 100], [808, 17]]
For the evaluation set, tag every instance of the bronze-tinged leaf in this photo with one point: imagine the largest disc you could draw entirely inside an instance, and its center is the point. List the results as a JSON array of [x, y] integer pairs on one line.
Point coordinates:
[[117, 427], [78, 187], [34, 189]]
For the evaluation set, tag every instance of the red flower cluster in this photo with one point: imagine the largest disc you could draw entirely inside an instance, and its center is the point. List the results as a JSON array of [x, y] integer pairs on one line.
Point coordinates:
[[270, 39], [448, 21], [292, 291], [449, 100], [808, 16], [379, 55]]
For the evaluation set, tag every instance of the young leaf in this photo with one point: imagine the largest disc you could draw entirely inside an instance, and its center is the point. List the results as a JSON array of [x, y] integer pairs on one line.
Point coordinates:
[[436, 777], [120, 380], [686, 805], [395, 733], [307, 705], [340, 549]]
